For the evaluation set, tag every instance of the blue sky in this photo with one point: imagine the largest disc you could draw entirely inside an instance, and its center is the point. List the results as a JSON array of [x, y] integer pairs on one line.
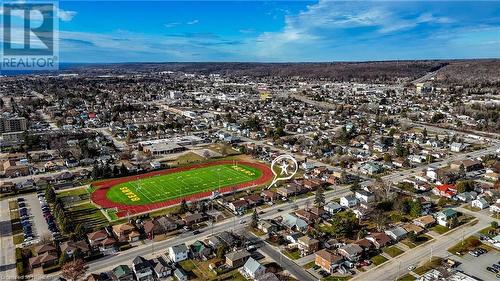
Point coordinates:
[[95, 31]]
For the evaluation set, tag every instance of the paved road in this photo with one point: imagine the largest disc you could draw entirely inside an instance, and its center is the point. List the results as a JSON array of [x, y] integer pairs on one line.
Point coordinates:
[[298, 272], [126, 257], [7, 256], [438, 247]]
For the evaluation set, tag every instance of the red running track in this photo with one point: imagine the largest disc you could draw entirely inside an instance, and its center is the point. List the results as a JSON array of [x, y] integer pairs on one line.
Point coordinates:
[[99, 195]]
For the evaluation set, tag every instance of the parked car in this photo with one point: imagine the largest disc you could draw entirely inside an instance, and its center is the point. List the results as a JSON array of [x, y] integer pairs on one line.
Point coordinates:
[[491, 269]]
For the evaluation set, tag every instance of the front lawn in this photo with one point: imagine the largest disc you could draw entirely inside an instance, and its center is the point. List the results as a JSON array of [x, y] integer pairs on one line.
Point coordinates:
[[468, 244], [336, 278], [393, 251], [435, 262], [406, 277], [422, 238], [378, 260], [293, 254], [309, 265], [439, 229]]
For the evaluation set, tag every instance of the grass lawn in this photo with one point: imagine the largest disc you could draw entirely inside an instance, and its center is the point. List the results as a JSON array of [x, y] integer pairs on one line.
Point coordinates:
[[88, 215], [256, 231], [336, 278], [393, 251], [436, 261], [232, 275], [422, 238], [406, 277], [164, 187], [73, 192], [13, 204], [18, 239], [486, 231], [439, 229], [468, 244], [199, 268], [294, 254], [378, 260], [309, 265]]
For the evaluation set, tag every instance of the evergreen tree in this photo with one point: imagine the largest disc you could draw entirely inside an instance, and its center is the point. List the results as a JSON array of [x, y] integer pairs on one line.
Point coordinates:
[[319, 199], [255, 218]]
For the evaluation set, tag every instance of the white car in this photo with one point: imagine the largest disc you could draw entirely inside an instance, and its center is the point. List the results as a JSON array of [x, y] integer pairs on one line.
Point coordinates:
[[411, 267]]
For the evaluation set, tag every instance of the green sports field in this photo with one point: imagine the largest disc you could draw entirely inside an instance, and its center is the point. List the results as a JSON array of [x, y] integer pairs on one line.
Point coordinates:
[[169, 186]]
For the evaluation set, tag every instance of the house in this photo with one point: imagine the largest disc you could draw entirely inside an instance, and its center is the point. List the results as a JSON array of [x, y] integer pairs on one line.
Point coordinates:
[[269, 196], [445, 190], [443, 218], [352, 252], [267, 226], [142, 269], [480, 203], [238, 206], [167, 224], [126, 232], [253, 200], [379, 240], [293, 237], [348, 201], [307, 245], [95, 238], [237, 258], [44, 260], [371, 168], [294, 223], [200, 250], [151, 228], [425, 221], [160, 267], [253, 269], [495, 208], [306, 215], [410, 227], [396, 233], [178, 252], [180, 274], [327, 260], [123, 273], [457, 147], [333, 207], [467, 196], [228, 238], [191, 219], [70, 248], [468, 164], [44, 248], [364, 243], [364, 196]]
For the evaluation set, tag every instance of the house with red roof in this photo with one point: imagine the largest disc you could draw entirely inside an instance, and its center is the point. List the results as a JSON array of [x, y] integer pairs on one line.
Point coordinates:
[[445, 190]]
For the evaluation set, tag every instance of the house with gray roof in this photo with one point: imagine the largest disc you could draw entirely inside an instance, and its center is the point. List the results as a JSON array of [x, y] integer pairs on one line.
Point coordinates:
[[253, 269]]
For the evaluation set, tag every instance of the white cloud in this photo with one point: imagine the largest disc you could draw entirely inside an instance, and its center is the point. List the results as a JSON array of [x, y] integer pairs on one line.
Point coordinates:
[[192, 22]]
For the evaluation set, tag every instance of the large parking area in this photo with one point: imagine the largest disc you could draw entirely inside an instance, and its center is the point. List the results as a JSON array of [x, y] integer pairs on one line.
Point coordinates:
[[477, 266]]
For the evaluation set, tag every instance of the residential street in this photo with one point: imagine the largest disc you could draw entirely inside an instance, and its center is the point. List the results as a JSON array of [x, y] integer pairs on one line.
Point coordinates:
[[398, 266]]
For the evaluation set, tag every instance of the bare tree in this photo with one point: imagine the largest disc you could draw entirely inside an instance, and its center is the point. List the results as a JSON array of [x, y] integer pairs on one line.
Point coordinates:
[[74, 270]]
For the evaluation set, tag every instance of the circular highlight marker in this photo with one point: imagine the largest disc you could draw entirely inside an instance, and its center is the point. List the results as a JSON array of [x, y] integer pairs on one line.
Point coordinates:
[[287, 165]]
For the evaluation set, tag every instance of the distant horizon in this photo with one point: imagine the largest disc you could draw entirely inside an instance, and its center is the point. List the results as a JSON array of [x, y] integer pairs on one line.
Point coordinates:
[[276, 31]]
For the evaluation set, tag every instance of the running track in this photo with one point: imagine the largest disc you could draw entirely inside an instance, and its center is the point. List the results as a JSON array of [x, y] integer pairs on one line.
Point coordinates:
[[99, 195]]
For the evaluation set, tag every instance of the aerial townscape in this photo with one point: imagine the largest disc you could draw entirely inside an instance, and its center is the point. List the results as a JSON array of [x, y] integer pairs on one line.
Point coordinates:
[[175, 171]]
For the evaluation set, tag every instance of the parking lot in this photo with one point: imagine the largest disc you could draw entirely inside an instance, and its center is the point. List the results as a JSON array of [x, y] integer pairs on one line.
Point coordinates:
[[39, 224], [477, 266]]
